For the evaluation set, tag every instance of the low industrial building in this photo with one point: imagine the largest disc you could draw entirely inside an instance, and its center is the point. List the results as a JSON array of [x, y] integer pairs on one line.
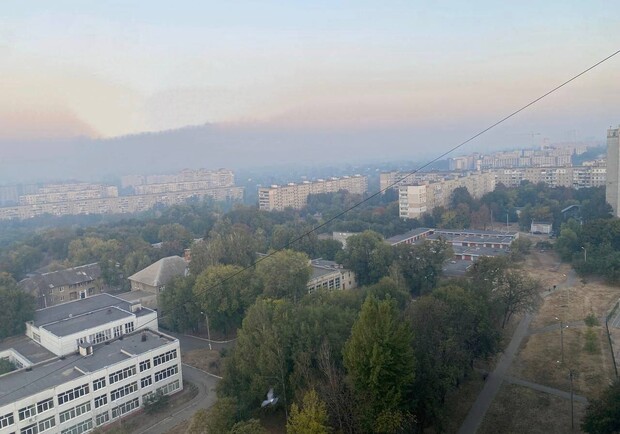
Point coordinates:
[[330, 275], [147, 283], [541, 227]]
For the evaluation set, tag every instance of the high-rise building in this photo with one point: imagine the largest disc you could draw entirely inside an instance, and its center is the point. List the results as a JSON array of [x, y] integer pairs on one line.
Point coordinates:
[[612, 192]]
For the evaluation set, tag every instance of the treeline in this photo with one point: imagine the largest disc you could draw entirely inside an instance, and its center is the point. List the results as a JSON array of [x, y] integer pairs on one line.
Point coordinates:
[[369, 360], [592, 248]]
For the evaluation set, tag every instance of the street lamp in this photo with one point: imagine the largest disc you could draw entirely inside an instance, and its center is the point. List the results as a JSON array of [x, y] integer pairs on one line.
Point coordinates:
[[585, 254], [208, 332]]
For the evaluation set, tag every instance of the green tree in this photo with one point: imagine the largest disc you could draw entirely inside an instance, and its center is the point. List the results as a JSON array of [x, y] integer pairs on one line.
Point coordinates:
[[310, 418], [284, 274], [517, 293], [224, 292], [252, 426], [179, 307], [380, 361], [603, 415], [421, 265], [16, 307], [220, 418], [368, 256]]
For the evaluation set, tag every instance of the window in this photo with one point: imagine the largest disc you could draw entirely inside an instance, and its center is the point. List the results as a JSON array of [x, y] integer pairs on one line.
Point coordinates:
[[79, 428], [122, 391], [26, 412], [99, 383], [118, 330], [7, 420], [36, 337], [46, 424], [74, 412], [30, 429], [165, 373], [101, 400], [145, 365], [99, 337], [125, 408], [162, 358], [146, 381], [72, 394], [169, 388], [122, 374], [45, 405], [129, 327], [102, 418]]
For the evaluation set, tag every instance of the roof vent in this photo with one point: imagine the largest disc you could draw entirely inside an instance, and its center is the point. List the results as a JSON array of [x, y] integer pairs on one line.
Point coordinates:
[[143, 337]]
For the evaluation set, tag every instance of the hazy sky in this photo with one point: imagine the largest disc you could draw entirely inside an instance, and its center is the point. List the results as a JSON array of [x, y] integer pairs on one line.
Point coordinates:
[[109, 68]]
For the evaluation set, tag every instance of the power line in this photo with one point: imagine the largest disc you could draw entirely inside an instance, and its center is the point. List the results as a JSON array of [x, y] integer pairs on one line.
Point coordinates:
[[314, 229]]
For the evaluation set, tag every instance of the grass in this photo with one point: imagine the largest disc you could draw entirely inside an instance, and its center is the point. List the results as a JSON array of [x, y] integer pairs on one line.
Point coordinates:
[[205, 359], [517, 409], [591, 320]]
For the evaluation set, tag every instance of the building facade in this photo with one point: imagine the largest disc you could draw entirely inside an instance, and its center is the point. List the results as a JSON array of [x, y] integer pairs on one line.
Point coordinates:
[[295, 196], [83, 391], [572, 177], [612, 192], [330, 276], [415, 200]]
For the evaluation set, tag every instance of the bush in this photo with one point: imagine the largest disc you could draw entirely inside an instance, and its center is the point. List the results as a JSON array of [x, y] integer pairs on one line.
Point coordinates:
[[591, 320], [6, 366], [156, 402], [591, 345]]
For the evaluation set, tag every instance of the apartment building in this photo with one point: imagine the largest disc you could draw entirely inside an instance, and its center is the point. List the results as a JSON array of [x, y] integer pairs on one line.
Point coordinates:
[[119, 205], [93, 388], [575, 177], [54, 193], [547, 156], [613, 165], [61, 286], [186, 179], [396, 179], [296, 195], [330, 275], [415, 200]]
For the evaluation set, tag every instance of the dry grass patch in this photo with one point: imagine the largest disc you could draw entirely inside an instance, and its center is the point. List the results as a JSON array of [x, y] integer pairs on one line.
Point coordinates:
[[517, 409], [576, 303], [205, 359], [586, 350], [180, 428], [546, 267]]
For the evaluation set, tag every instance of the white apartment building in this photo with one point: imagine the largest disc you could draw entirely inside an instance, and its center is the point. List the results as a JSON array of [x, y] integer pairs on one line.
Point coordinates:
[[612, 192], [415, 200], [83, 391], [296, 195], [575, 177]]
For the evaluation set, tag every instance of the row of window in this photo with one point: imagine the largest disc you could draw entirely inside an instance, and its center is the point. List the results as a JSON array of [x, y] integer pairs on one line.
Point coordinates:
[[122, 391], [74, 412], [165, 373], [163, 358], [125, 407], [7, 420], [72, 394], [101, 400], [122, 374], [80, 428], [106, 335], [39, 427], [31, 410]]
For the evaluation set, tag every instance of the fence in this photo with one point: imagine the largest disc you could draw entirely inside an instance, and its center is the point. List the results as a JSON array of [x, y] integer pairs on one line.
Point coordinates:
[[611, 346]]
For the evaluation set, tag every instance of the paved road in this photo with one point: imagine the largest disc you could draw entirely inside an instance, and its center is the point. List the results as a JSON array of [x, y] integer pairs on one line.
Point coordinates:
[[546, 389], [494, 380], [204, 399], [189, 343]]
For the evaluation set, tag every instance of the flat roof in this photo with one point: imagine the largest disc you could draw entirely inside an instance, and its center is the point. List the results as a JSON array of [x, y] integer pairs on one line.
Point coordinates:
[[23, 383], [87, 321], [456, 267], [28, 348], [407, 235], [78, 307]]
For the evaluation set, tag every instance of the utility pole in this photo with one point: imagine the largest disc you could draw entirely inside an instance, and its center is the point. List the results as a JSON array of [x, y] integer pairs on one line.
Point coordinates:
[[571, 373]]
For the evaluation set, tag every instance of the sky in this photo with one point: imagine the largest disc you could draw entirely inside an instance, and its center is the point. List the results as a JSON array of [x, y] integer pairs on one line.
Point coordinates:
[[106, 69]]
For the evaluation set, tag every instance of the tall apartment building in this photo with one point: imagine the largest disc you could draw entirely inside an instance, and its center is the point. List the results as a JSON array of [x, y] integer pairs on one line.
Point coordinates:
[[415, 200], [183, 180], [612, 192], [396, 179], [55, 193], [296, 195], [109, 360]]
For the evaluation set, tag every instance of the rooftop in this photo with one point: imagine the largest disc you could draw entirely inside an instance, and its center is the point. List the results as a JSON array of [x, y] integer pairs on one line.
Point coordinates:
[[28, 348], [321, 267], [78, 307], [86, 321], [161, 272], [412, 233], [22, 383], [69, 276]]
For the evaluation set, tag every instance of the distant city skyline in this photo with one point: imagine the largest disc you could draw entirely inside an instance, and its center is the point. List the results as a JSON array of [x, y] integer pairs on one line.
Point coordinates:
[[402, 77]]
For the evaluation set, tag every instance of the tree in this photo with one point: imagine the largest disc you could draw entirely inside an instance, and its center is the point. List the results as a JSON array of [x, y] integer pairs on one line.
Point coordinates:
[[156, 402], [218, 419], [284, 274], [379, 361], [310, 418], [179, 307], [16, 307], [251, 426], [367, 255], [517, 293], [224, 292], [227, 245], [421, 265], [603, 415]]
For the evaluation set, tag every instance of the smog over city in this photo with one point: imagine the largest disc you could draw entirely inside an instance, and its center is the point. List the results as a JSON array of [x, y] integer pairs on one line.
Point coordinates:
[[309, 217]]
